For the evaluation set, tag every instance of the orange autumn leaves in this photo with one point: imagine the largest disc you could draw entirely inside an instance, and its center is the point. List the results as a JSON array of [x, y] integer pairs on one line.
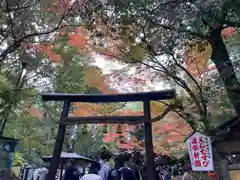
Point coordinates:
[[48, 50], [115, 41], [169, 133], [197, 56], [78, 40]]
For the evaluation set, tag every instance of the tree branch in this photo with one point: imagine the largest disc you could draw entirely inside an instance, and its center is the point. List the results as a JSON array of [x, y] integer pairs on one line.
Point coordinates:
[[203, 103], [17, 43], [161, 116], [179, 30]]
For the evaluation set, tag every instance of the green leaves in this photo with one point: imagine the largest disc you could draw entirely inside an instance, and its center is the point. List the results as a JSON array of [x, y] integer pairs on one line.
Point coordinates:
[[235, 13], [192, 123], [5, 85], [70, 76], [136, 53], [61, 43], [18, 159], [64, 38], [87, 145]]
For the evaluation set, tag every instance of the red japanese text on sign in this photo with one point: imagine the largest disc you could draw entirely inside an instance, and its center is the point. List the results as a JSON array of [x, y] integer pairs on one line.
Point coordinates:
[[194, 147], [194, 141], [200, 152]]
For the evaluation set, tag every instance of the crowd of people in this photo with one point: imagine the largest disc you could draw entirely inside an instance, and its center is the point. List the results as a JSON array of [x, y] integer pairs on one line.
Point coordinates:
[[126, 167]]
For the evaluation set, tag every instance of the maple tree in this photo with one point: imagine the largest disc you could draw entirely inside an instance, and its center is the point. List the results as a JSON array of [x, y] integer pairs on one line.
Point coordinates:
[[198, 54], [94, 79], [169, 135], [161, 27], [117, 49], [172, 143], [154, 46], [189, 83], [26, 29], [24, 22], [169, 131]]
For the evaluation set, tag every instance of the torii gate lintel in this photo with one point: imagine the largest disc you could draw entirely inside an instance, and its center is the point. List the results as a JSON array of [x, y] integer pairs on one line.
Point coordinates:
[[144, 97]]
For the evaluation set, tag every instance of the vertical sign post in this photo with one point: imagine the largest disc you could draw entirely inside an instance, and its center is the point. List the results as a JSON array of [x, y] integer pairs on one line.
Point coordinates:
[[7, 150]]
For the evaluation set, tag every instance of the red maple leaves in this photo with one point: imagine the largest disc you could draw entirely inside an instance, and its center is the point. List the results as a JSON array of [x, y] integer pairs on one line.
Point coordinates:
[[48, 50]]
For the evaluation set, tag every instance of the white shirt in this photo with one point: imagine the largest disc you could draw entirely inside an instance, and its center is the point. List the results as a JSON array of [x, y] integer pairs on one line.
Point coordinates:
[[41, 173], [187, 176], [91, 177], [105, 168]]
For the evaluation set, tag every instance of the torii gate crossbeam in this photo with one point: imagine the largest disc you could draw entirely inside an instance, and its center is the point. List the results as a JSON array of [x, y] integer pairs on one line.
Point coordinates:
[[144, 97]]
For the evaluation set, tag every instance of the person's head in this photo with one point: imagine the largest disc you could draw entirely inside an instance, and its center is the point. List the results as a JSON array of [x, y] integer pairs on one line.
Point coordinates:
[[121, 159], [136, 158], [118, 163], [103, 158], [128, 158], [70, 163], [94, 168]]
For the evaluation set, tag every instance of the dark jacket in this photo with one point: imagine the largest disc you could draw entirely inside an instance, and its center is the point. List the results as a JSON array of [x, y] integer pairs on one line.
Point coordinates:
[[126, 173], [71, 173], [135, 170]]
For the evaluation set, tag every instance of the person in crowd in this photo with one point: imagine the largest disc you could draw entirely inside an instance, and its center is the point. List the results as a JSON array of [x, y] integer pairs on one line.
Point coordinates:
[[93, 172], [125, 170], [132, 164], [71, 172], [114, 173], [159, 171], [121, 171], [167, 174], [187, 174], [174, 170], [105, 168]]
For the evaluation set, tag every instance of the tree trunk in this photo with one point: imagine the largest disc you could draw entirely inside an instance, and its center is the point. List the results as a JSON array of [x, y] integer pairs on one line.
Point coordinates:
[[4, 118], [11, 101], [224, 66]]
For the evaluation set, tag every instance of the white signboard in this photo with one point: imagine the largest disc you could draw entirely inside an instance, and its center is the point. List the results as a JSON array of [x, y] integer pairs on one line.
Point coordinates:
[[200, 152]]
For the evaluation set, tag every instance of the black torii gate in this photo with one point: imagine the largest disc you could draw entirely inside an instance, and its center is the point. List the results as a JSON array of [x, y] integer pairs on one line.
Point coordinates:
[[144, 97]]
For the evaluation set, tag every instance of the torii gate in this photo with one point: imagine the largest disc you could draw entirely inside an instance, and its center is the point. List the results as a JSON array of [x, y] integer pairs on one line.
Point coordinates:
[[144, 97]]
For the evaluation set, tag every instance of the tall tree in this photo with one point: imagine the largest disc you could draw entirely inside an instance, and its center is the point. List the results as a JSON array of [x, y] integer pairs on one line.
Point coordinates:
[[24, 22], [20, 81], [25, 28], [164, 25]]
